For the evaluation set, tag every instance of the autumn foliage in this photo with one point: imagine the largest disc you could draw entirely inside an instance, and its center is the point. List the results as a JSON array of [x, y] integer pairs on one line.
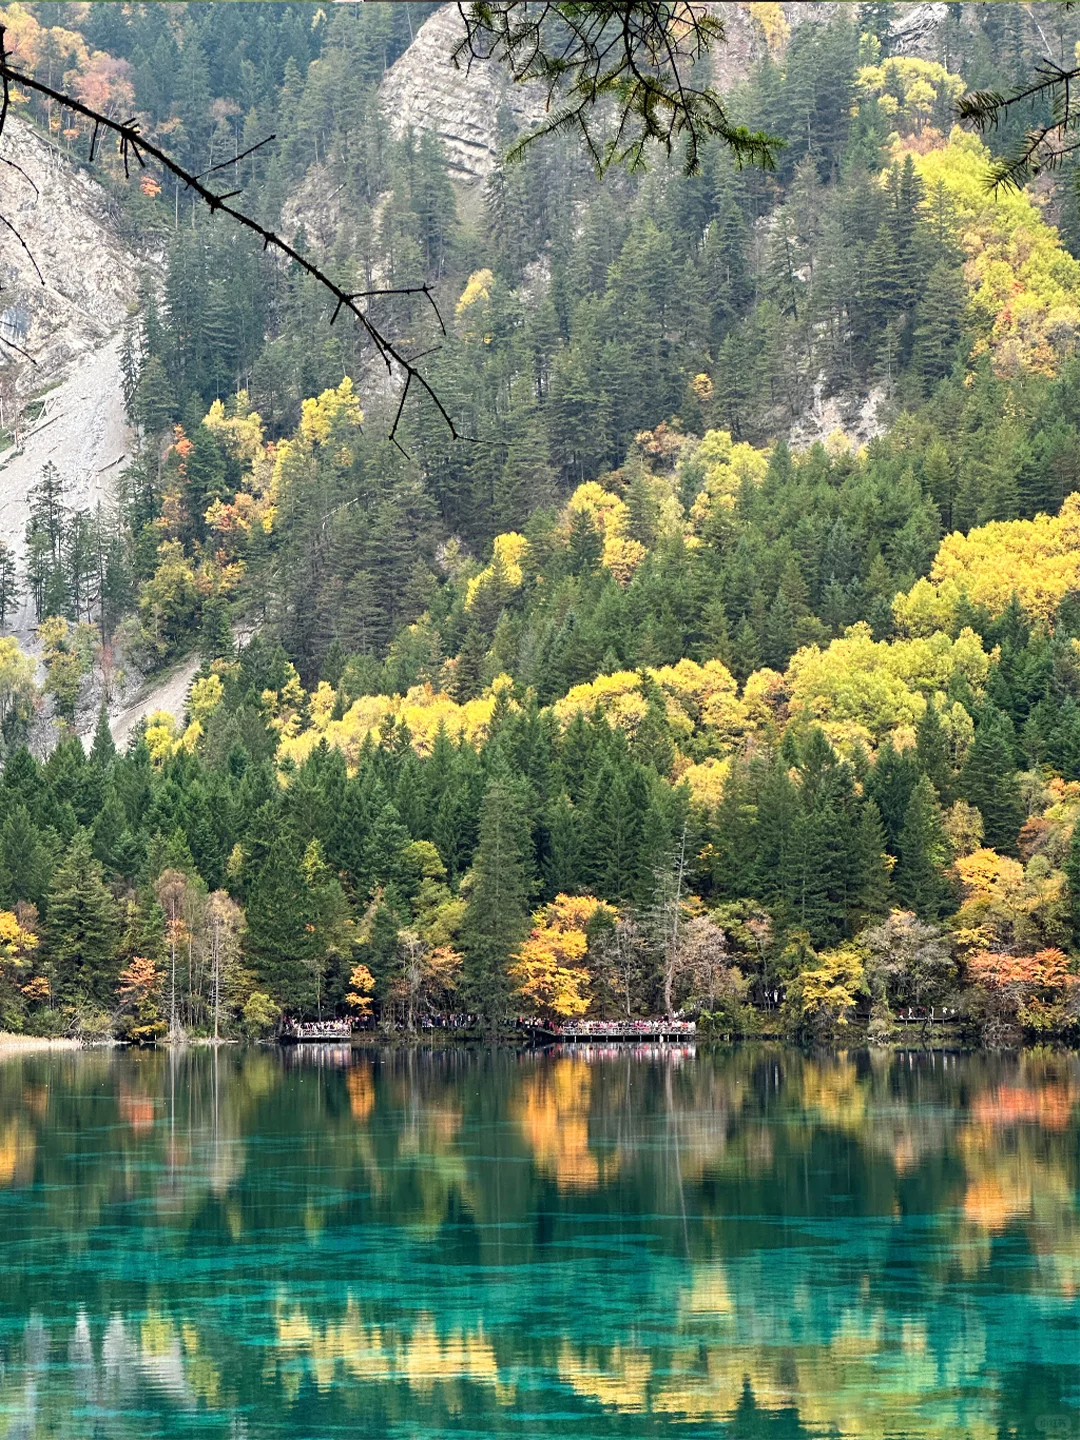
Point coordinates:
[[548, 972]]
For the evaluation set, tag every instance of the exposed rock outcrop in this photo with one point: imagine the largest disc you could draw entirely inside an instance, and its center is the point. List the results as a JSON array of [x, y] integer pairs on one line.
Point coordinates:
[[423, 90], [68, 321], [69, 227]]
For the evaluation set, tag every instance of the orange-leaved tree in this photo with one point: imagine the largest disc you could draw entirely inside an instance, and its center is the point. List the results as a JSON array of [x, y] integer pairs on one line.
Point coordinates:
[[1038, 992], [361, 989], [140, 991]]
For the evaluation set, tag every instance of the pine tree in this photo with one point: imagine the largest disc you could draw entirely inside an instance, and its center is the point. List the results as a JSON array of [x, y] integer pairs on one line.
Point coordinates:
[[204, 472], [889, 785], [871, 891], [932, 751], [9, 583], [82, 929], [939, 323], [989, 781], [612, 841], [103, 750], [924, 851], [25, 855], [281, 937], [563, 868], [155, 403], [1072, 874], [469, 667], [497, 918], [215, 634]]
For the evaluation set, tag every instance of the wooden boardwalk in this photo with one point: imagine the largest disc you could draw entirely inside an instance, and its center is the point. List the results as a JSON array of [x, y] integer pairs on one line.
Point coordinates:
[[604, 1034]]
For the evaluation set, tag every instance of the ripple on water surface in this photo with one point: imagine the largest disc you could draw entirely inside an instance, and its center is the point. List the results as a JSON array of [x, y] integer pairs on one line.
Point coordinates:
[[743, 1244]]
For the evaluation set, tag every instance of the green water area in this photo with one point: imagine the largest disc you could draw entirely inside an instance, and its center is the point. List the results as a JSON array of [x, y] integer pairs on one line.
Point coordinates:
[[580, 1243]]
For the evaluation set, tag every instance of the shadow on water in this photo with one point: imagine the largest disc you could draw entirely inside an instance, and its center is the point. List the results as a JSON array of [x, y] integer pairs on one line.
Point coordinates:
[[580, 1243]]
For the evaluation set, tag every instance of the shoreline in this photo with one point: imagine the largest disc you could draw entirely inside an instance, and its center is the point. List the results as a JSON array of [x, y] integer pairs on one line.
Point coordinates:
[[26, 1044]]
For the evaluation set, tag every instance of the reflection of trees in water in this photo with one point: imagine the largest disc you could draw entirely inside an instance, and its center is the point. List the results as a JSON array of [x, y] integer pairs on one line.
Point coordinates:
[[425, 1231]]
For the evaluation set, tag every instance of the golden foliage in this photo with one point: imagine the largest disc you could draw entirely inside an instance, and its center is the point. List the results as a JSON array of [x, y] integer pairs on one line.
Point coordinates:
[[862, 689], [362, 987], [1024, 283], [909, 90], [621, 554], [508, 551], [727, 465], [1036, 560], [553, 1112], [478, 288], [548, 973]]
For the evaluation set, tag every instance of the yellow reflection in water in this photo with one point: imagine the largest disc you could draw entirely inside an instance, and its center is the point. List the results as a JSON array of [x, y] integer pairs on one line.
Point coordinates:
[[422, 1358], [17, 1148], [553, 1112]]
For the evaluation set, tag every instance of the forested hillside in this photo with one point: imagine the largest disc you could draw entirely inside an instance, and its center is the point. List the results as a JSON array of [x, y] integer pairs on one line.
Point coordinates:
[[732, 658]]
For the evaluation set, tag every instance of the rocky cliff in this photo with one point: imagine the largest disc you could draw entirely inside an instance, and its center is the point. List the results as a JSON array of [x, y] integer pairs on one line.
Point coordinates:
[[425, 91]]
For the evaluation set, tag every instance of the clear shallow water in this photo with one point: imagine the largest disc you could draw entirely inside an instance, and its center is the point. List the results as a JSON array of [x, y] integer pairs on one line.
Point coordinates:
[[743, 1245]]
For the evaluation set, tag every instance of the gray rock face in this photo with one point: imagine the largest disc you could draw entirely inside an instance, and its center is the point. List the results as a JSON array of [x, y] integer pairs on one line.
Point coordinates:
[[68, 321], [89, 276], [424, 91]]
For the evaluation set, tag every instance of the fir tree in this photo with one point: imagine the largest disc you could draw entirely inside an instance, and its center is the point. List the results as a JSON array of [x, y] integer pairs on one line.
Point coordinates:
[[25, 854], [497, 917], [281, 938], [1072, 874], [103, 749], [989, 781], [920, 884], [82, 931], [889, 785], [932, 751]]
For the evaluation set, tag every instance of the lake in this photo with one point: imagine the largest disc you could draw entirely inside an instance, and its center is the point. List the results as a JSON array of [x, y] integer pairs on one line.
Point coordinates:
[[601, 1243]]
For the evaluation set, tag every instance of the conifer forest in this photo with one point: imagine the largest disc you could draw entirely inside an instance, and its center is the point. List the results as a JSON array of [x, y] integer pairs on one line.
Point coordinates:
[[699, 637]]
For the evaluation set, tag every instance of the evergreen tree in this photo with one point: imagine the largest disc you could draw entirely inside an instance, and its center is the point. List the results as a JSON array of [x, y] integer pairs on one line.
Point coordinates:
[[82, 929], [1072, 874], [281, 935], [889, 785], [932, 751], [989, 781], [103, 749], [497, 918], [920, 884], [27, 861]]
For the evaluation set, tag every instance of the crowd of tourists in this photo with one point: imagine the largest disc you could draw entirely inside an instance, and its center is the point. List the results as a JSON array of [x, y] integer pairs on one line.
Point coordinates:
[[600, 1028]]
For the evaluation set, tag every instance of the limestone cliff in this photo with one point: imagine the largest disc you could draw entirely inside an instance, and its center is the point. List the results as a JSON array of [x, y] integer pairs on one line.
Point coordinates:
[[424, 91]]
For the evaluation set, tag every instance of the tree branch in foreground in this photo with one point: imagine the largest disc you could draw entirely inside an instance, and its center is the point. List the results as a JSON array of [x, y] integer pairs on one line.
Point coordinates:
[[1047, 144], [132, 145], [636, 53]]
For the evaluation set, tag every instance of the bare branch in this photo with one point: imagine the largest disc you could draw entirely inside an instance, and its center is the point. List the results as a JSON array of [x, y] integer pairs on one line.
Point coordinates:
[[130, 142], [12, 165], [224, 164], [29, 254], [18, 348]]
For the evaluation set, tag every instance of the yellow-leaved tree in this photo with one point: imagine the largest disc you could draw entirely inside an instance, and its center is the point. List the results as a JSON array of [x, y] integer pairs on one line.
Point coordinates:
[[17, 944], [1024, 283], [548, 971], [862, 689], [1036, 560]]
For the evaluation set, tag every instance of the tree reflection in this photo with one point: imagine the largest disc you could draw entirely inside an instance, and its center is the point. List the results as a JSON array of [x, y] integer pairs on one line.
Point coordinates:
[[746, 1243]]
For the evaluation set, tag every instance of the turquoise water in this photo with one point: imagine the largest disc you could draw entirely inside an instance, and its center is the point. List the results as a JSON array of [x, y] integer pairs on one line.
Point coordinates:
[[746, 1244]]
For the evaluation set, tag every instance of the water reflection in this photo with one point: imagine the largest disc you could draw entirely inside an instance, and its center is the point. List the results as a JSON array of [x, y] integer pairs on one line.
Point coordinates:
[[588, 1242]]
